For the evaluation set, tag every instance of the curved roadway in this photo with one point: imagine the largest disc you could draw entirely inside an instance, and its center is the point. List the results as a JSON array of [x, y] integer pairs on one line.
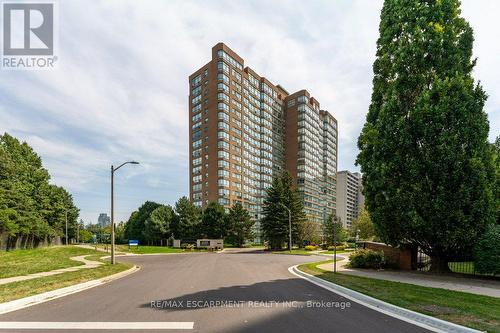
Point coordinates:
[[226, 292]]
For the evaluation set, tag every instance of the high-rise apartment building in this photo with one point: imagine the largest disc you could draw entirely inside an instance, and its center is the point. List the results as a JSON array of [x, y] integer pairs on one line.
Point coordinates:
[[104, 220], [350, 198], [244, 130]]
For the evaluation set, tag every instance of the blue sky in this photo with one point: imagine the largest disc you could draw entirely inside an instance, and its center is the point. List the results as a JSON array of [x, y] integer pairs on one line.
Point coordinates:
[[120, 89]]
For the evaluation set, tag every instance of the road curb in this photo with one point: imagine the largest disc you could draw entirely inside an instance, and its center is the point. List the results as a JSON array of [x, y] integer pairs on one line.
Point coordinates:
[[53, 294], [412, 317]]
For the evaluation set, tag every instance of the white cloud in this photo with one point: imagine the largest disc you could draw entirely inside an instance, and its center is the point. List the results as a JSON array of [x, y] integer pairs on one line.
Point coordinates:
[[121, 88]]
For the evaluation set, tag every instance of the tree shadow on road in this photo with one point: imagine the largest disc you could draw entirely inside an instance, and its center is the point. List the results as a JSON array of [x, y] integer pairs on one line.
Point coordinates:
[[294, 305]]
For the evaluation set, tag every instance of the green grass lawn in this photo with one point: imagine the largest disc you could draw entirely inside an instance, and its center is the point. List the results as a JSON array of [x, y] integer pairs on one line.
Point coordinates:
[[304, 252], [143, 249], [16, 290], [338, 252], [301, 252], [475, 311], [231, 246], [23, 262]]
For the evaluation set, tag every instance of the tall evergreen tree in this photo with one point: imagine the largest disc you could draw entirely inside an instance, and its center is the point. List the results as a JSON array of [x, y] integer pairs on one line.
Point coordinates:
[[186, 222], [333, 231], [427, 168], [274, 224], [213, 221], [239, 224], [157, 225]]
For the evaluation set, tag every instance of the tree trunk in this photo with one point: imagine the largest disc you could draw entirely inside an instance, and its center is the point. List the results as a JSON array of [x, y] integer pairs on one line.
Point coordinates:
[[439, 265]]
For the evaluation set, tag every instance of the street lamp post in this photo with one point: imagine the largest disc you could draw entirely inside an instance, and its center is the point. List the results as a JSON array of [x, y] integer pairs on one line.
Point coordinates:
[[334, 245], [66, 226], [113, 169], [289, 227], [78, 233], [357, 237]]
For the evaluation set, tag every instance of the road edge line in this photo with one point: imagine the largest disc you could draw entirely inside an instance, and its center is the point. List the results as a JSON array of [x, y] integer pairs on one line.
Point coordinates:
[[409, 316], [25, 302]]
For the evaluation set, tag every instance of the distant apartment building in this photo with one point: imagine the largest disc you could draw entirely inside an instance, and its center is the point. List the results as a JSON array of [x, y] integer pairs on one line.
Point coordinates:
[[244, 130], [103, 220], [350, 198]]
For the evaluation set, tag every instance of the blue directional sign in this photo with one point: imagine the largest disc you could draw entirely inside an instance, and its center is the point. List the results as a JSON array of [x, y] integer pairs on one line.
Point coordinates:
[[133, 242]]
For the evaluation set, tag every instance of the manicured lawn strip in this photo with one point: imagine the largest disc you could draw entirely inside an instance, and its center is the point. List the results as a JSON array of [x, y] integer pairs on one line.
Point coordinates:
[[475, 311], [23, 262], [338, 252], [246, 246], [16, 290], [148, 249], [142, 249], [301, 252]]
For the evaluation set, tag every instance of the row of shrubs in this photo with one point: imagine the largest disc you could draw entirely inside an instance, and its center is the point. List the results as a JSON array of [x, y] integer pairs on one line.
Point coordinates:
[[367, 258], [340, 247], [329, 248]]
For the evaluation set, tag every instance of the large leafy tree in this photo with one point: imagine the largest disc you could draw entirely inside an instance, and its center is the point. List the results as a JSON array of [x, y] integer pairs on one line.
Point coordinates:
[[363, 226], [31, 209], [157, 225], [428, 169], [333, 231], [213, 221], [134, 228], [186, 223], [240, 225], [274, 224], [310, 233]]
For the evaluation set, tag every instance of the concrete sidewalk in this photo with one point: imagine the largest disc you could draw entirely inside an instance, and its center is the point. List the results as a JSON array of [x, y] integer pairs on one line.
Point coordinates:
[[468, 285], [87, 264]]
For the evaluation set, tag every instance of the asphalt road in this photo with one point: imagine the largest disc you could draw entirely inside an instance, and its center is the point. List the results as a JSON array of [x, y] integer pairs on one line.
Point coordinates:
[[255, 291]]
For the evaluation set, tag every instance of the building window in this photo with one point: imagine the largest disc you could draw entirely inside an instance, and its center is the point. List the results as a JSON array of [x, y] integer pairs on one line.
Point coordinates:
[[196, 100], [223, 154], [223, 135], [223, 164], [197, 161], [195, 81], [222, 67], [223, 182], [223, 201], [222, 173], [223, 97], [223, 77], [196, 91], [222, 106], [222, 125]]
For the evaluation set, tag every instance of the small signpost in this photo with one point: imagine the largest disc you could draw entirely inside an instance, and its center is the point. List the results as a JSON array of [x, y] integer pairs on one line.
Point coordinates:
[[133, 242]]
